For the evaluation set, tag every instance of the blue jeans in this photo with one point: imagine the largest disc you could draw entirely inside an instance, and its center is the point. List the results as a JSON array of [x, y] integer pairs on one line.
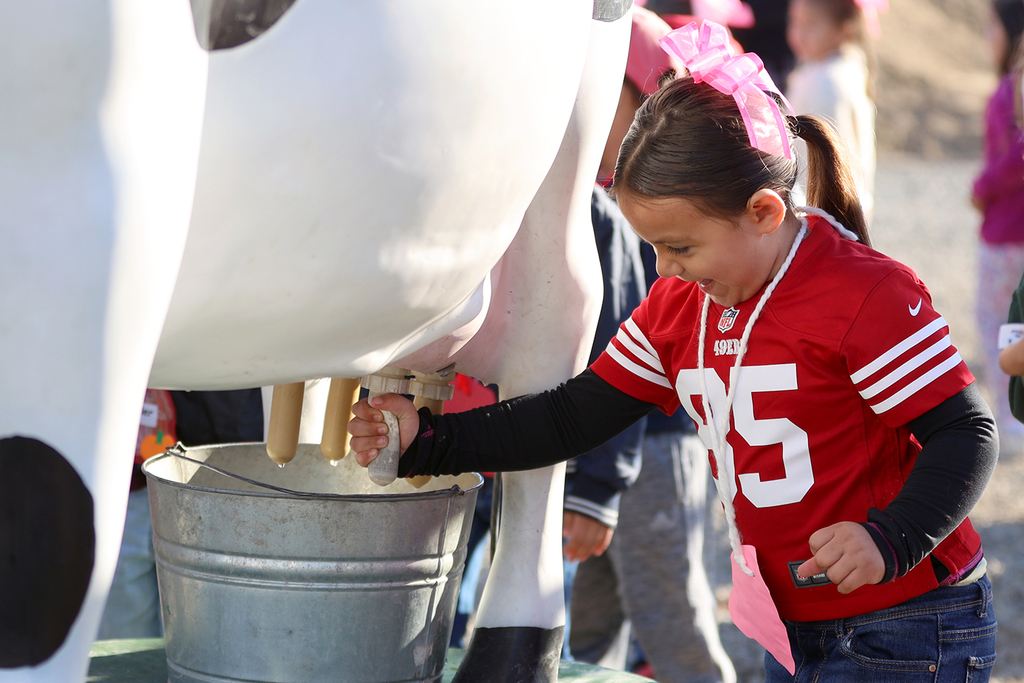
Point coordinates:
[[945, 635]]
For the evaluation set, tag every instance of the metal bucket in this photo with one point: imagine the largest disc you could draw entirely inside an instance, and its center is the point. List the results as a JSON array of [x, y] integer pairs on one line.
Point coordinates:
[[348, 581]]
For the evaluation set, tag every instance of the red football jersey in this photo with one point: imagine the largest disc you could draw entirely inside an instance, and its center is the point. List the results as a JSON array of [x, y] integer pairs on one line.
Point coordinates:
[[847, 350]]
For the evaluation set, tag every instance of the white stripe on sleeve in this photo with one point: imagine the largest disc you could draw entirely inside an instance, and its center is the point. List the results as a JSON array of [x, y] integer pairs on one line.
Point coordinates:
[[606, 516], [901, 348], [921, 381], [908, 367], [637, 370], [643, 356], [634, 331]]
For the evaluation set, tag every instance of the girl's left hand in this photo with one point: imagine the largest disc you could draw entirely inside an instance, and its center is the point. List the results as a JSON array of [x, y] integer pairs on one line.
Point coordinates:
[[847, 554]]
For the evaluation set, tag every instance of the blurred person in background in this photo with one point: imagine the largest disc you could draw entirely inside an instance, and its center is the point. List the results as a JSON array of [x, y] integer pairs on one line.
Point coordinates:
[[998, 193], [133, 604], [832, 78]]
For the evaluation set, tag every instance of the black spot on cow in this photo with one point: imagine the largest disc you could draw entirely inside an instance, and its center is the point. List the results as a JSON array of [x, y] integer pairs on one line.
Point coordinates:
[[223, 24], [512, 654], [47, 549], [611, 10]]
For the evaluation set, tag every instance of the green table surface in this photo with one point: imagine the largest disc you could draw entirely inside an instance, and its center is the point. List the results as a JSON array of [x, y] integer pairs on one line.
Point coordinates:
[[144, 661]]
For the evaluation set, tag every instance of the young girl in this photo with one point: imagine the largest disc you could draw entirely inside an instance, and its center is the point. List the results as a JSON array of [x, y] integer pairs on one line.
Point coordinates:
[[998, 193], [831, 79], [847, 437]]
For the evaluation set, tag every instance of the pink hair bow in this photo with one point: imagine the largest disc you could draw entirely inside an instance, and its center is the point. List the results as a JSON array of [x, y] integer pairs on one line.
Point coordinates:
[[871, 8], [707, 54]]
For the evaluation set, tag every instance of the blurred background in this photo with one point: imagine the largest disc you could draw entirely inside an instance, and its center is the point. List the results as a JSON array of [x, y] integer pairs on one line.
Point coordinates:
[[934, 78]]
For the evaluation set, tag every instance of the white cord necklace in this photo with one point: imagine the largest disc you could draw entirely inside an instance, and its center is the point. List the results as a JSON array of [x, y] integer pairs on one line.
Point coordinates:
[[719, 431]]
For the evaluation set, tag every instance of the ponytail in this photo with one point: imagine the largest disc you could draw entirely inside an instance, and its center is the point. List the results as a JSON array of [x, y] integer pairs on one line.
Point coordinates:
[[830, 183]]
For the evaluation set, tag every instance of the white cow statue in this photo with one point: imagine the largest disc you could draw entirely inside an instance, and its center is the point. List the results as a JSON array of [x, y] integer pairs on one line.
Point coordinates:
[[344, 186]]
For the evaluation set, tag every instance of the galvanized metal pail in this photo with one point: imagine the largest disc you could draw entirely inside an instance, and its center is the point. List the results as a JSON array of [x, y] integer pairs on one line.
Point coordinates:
[[339, 580]]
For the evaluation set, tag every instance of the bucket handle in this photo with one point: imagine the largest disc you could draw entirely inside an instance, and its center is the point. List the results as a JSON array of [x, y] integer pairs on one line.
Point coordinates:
[[178, 451]]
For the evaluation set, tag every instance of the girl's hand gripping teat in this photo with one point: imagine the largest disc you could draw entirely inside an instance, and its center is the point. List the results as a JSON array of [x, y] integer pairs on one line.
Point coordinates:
[[370, 432]]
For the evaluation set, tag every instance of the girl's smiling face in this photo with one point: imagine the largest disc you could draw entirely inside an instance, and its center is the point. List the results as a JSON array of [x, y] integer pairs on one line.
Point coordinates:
[[729, 260]]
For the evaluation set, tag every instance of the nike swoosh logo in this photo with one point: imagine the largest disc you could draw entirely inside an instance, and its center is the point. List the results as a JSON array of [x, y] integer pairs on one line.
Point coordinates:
[[914, 310]]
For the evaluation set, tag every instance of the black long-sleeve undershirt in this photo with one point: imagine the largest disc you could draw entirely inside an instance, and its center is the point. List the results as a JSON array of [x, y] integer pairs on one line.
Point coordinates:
[[523, 433], [959, 449]]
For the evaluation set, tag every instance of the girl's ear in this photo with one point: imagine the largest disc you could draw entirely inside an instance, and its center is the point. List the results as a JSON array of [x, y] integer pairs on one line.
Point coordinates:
[[765, 211]]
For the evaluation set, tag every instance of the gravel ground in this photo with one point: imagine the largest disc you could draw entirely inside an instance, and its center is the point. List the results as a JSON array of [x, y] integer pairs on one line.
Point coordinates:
[[923, 218]]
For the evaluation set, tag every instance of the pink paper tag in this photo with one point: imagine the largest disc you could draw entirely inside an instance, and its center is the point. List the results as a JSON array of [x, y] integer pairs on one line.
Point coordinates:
[[754, 613]]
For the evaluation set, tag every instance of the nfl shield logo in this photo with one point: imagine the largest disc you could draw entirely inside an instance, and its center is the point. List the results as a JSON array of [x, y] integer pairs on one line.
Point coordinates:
[[727, 320]]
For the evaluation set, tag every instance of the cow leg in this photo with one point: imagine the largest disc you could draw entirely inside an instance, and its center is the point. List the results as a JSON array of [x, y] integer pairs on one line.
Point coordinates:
[[520, 621], [102, 114]]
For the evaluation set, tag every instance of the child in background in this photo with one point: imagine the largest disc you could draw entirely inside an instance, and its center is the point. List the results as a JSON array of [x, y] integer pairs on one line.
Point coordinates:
[[832, 79], [847, 437], [1011, 358], [133, 604], [999, 194]]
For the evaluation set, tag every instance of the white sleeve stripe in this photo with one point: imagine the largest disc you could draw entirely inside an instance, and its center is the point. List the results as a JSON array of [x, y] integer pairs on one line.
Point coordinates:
[[634, 331], [908, 367], [887, 357], [637, 370], [640, 354], [606, 516], [921, 381]]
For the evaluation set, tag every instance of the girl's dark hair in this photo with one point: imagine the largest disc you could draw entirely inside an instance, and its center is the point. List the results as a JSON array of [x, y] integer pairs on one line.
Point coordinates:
[[688, 140], [1011, 16]]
